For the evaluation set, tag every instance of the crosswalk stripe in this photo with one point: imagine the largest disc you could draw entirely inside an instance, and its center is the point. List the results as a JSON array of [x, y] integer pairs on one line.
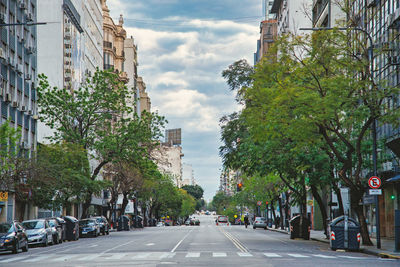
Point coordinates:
[[324, 256], [244, 254], [14, 259], [298, 256], [219, 254], [141, 256], [272, 255], [64, 258], [37, 259], [167, 255], [116, 257], [193, 255]]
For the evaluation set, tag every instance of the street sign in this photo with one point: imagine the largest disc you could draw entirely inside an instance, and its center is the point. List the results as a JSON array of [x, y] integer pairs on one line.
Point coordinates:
[[235, 216], [258, 203], [374, 182], [375, 191]]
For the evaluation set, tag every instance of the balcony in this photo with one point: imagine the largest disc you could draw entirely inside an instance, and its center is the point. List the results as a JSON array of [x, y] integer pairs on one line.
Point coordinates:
[[108, 67], [107, 44]]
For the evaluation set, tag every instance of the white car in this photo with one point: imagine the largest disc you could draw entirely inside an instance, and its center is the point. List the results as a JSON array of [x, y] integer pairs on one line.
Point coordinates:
[[160, 224]]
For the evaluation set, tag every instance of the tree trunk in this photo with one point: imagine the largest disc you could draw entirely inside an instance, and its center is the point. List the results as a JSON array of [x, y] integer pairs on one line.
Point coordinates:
[[273, 213], [144, 209], [339, 197], [281, 213], [355, 199], [124, 203], [86, 205], [322, 208]]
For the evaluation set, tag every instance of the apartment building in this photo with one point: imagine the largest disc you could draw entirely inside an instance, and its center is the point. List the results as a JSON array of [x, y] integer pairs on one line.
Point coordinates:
[[291, 15], [18, 72], [327, 13], [114, 43]]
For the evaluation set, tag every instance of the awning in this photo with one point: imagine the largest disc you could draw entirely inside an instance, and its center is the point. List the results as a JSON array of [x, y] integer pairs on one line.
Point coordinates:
[[394, 179]]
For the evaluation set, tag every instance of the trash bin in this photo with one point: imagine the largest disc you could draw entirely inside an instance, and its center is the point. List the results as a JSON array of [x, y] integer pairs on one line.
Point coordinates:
[[342, 236], [72, 226], [299, 227], [123, 223]]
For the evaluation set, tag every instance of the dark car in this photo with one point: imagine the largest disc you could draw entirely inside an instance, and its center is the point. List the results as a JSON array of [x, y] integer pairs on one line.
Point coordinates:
[[56, 230], [103, 223], [89, 227], [38, 231], [13, 237]]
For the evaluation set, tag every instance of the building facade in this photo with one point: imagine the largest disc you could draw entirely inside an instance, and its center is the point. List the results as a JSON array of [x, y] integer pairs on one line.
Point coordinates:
[[291, 15], [187, 175], [18, 61], [268, 33]]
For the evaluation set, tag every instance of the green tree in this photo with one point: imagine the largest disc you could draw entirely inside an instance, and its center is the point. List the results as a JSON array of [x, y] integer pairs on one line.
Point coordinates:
[[195, 191]]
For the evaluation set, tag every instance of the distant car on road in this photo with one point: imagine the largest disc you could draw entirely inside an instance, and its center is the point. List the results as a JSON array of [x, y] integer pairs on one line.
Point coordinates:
[[38, 231], [260, 222], [89, 227], [187, 222], [222, 220], [13, 237], [56, 230], [160, 224], [103, 224]]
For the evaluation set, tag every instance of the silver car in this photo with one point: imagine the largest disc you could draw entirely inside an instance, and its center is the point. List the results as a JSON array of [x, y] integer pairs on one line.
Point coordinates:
[[56, 231], [260, 222], [38, 231]]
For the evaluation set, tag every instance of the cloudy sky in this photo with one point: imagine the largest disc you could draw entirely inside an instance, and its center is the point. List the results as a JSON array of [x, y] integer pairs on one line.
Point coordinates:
[[184, 45]]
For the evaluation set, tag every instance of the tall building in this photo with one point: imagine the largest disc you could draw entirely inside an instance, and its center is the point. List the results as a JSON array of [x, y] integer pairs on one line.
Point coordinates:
[[267, 6], [327, 13], [144, 99], [268, 34], [291, 15], [18, 60], [114, 43], [187, 175], [131, 68]]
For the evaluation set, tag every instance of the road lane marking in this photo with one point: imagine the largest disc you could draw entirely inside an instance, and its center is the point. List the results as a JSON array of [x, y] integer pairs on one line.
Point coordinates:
[[324, 256], [352, 257], [177, 245], [150, 244], [235, 241], [89, 257], [193, 255], [141, 256], [167, 255], [298, 256], [92, 246], [37, 259], [14, 259], [219, 254], [272, 255], [64, 258], [244, 254], [116, 256]]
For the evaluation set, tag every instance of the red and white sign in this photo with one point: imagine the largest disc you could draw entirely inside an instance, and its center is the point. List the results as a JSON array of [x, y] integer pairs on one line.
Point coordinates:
[[259, 203], [374, 182]]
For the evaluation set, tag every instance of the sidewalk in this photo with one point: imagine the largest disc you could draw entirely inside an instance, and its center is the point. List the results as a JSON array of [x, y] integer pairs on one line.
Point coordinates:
[[386, 251]]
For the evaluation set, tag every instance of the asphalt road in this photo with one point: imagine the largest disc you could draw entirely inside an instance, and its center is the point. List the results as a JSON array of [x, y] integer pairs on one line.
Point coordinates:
[[204, 245]]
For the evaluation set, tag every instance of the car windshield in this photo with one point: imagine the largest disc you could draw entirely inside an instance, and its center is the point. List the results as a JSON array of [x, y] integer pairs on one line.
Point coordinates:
[[222, 219], [99, 220], [52, 224], [260, 219], [33, 225], [6, 228], [86, 223]]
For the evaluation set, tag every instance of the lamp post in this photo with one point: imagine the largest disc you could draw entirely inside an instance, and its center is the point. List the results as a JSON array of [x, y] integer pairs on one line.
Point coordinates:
[[374, 142]]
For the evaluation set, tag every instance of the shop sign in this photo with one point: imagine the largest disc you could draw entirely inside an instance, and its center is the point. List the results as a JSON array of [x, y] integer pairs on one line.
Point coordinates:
[[3, 196]]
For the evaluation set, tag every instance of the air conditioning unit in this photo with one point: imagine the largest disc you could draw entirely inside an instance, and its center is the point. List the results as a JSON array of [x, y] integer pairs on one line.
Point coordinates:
[[35, 117], [31, 50], [23, 108], [19, 68], [11, 62], [29, 18], [22, 5], [28, 77], [14, 104], [8, 98], [30, 112], [2, 53]]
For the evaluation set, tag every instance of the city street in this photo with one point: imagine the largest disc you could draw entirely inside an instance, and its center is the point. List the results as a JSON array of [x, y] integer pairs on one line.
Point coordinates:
[[204, 245]]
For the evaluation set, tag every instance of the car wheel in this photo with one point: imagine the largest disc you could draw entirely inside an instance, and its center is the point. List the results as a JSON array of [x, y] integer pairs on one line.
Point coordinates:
[[25, 249], [15, 248], [60, 240], [55, 239], [108, 232], [254, 227]]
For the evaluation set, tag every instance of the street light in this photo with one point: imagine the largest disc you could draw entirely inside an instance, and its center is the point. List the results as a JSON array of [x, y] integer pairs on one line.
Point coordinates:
[[374, 146]]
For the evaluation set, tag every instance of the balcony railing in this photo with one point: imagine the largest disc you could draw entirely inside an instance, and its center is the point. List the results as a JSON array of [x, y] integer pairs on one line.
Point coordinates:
[[108, 67], [107, 44]]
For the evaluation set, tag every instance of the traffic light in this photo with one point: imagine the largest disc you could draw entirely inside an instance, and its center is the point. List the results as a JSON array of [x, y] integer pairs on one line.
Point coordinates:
[[266, 202], [392, 197], [239, 187], [224, 208]]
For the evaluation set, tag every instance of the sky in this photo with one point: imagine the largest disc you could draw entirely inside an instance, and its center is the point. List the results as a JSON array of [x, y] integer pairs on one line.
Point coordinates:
[[183, 46]]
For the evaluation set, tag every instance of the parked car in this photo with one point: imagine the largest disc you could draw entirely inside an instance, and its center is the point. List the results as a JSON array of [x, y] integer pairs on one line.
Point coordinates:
[[38, 231], [222, 220], [72, 225], [137, 221], [187, 222], [197, 222], [56, 231], [13, 237], [260, 222], [63, 226], [160, 224], [89, 227], [103, 223]]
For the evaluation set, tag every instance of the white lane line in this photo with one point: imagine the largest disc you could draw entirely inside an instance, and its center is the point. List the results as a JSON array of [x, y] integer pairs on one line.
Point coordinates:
[[116, 256], [324, 256], [167, 255], [244, 254], [14, 259], [92, 246], [177, 245], [150, 244], [64, 258], [298, 256], [193, 255], [352, 257], [89, 257], [219, 254], [122, 245], [141, 256], [272, 255], [37, 258]]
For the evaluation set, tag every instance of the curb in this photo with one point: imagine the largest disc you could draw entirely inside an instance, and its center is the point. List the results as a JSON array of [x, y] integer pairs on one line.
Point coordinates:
[[362, 250]]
